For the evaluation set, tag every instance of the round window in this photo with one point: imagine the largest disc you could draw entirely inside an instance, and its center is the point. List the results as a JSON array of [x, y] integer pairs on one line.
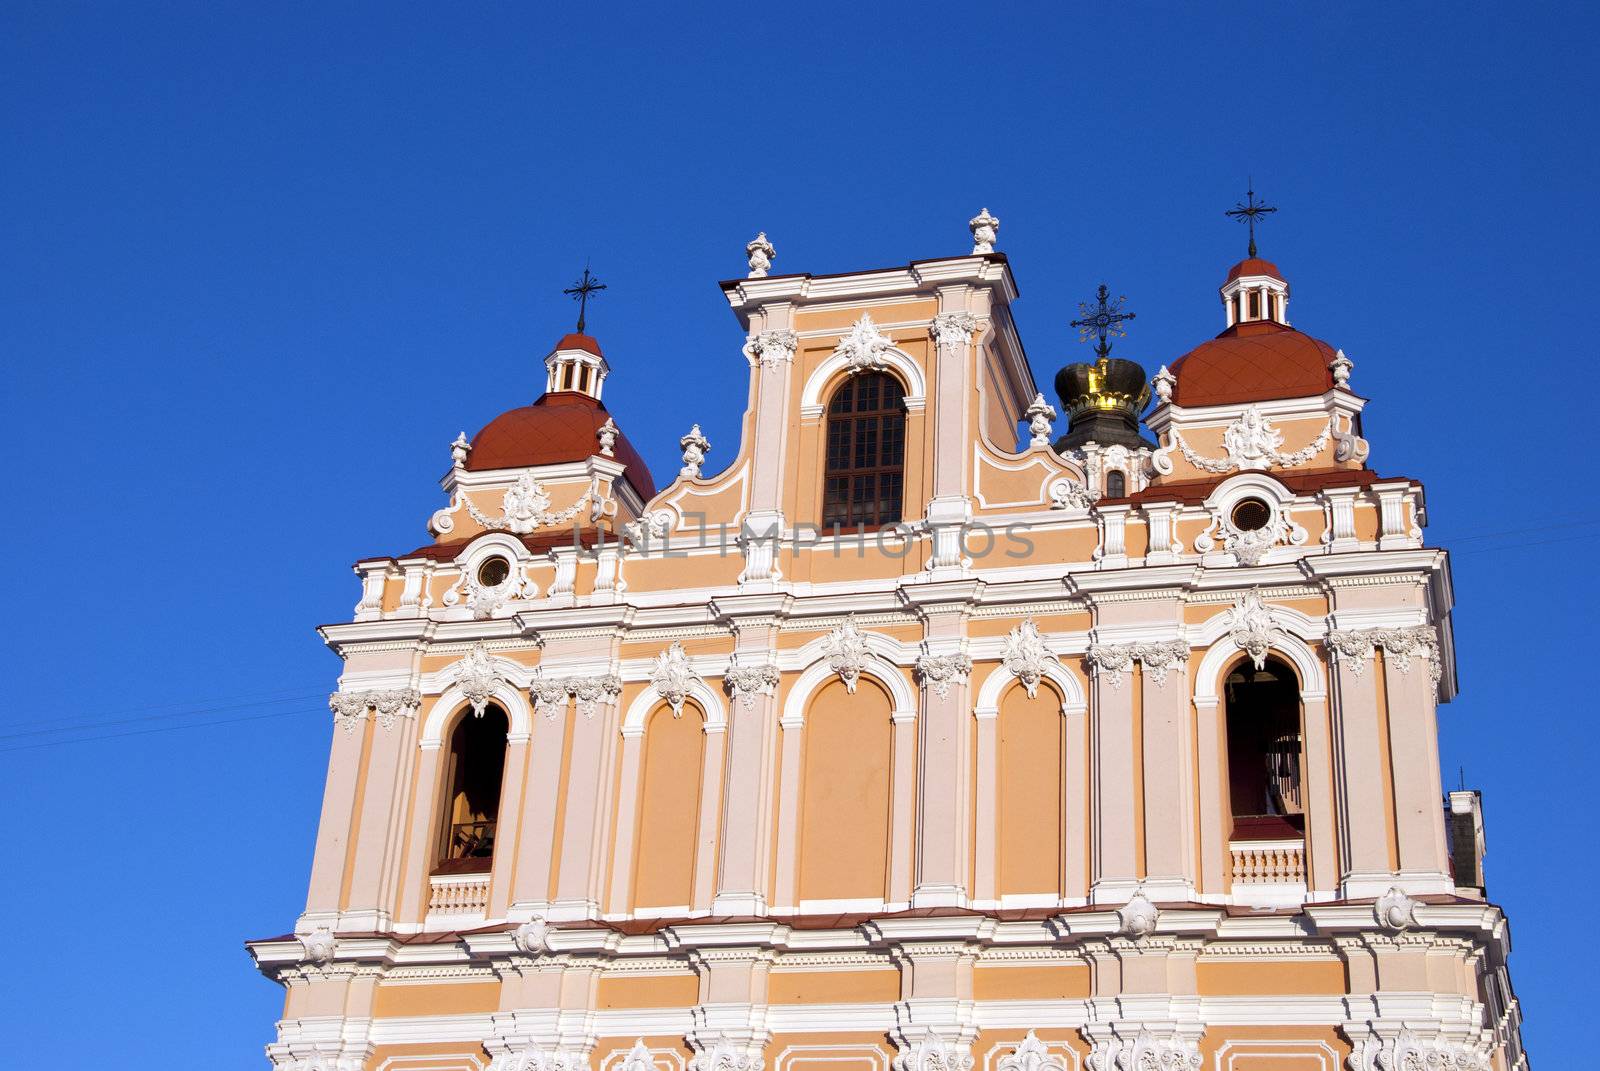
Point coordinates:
[[493, 572], [1251, 515]]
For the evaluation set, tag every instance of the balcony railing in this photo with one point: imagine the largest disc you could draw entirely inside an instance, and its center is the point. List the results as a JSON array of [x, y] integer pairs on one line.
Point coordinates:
[[458, 895], [1269, 862]]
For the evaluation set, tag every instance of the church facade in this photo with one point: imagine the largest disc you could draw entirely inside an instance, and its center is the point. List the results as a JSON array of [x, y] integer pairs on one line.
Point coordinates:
[[899, 740]]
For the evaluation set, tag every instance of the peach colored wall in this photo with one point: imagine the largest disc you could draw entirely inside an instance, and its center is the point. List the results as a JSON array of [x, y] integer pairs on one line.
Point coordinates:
[[1265, 979], [844, 820], [669, 808], [1066, 981], [648, 991], [1030, 792], [458, 998], [833, 987]]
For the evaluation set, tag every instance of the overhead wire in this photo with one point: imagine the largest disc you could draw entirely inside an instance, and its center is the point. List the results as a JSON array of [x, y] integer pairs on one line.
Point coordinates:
[[90, 724]]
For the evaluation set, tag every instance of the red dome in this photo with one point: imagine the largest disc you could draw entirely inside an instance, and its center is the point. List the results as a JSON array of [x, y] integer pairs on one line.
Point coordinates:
[[1253, 362], [560, 427], [586, 343], [1254, 266]]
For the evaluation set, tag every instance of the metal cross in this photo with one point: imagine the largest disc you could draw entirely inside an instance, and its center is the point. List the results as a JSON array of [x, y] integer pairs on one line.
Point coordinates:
[[580, 292], [1248, 211], [1104, 318]]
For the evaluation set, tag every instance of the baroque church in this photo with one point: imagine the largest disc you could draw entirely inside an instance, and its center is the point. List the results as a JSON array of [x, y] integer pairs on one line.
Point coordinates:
[[902, 742]]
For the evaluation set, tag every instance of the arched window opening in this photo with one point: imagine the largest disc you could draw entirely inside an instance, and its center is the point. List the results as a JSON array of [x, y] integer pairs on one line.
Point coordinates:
[[472, 800], [864, 478], [1116, 484], [1265, 756]]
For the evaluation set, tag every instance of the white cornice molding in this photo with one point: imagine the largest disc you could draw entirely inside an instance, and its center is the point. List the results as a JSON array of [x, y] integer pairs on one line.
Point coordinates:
[[908, 281]]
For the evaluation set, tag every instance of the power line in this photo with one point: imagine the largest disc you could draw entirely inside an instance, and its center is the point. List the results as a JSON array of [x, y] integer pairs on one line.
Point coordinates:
[[158, 729], [171, 703], [72, 727]]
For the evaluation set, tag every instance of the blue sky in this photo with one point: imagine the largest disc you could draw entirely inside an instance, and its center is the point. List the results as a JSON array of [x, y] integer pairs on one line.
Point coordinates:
[[261, 263]]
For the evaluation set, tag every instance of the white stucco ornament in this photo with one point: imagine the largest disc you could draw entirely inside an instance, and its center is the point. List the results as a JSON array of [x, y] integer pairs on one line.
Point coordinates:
[[590, 693], [1250, 442], [695, 448], [725, 1055], [940, 671], [477, 677], [319, 945], [1110, 661], [847, 653], [1160, 657], [1253, 629], [673, 676], [525, 507], [985, 229], [744, 682], [759, 252], [1162, 383], [1138, 917], [1405, 1050], [549, 694], [1395, 910], [1067, 493], [607, 434], [459, 449], [864, 348], [531, 937], [953, 328], [1031, 1055], [772, 349], [1026, 656], [934, 1053], [639, 1058], [390, 705], [1341, 366], [1040, 416]]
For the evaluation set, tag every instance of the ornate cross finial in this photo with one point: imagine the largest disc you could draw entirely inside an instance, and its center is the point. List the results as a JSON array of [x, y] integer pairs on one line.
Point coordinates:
[[1104, 318], [580, 292], [1249, 210]]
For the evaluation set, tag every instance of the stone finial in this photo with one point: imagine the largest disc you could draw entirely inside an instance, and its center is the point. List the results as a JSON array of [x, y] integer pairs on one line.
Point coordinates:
[[607, 434], [760, 252], [1163, 382], [984, 227], [459, 449], [1340, 366], [695, 448], [1040, 416]]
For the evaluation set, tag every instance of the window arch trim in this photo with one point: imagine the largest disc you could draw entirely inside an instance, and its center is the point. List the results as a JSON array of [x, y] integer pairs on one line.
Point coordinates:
[[453, 704], [831, 373]]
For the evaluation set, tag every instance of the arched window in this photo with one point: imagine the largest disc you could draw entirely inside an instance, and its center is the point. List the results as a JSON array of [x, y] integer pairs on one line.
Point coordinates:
[[1264, 752], [864, 480], [1116, 484], [472, 801]]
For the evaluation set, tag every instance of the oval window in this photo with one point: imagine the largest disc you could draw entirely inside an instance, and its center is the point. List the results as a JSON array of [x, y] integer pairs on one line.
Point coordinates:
[[493, 572], [1251, 515]]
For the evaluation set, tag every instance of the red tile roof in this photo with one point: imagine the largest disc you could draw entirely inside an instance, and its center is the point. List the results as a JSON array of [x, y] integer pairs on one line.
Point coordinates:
[[1253, 362], [1254, 266], [559, 427]]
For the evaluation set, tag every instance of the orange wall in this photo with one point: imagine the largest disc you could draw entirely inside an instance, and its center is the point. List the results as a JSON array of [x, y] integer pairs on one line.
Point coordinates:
[[669, 808], [844, 838], [1030, 792]]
